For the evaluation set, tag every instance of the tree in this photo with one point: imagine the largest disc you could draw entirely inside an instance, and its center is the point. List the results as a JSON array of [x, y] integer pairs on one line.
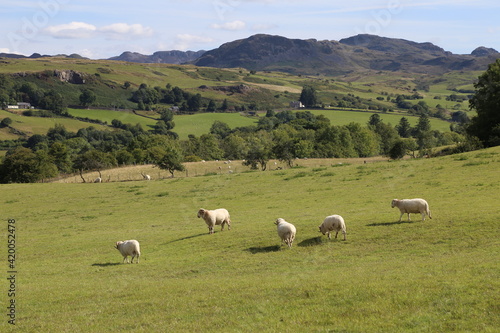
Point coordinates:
[[374, 120], [224, 105], [308, 96], [220, 129], [61, 156], [194, 102], [5, 122], [404, 128], [93, 160], [211, 106], [87, 98], [22, 165], [486, 102], [171, 160], [423, 134], [259, 150], [53, 101]]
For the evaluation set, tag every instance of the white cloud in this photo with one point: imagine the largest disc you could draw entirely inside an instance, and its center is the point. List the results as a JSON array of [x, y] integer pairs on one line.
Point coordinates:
[[73, 30], [186, 41], [124, 30], [231, 26], [82, 30], [264, 26]]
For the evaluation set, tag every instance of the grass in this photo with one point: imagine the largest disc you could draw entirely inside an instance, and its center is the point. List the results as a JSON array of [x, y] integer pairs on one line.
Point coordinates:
[[440, 275]]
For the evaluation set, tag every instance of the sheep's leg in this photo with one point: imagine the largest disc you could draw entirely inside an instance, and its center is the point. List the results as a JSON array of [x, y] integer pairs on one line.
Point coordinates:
[[336, 234], [125, 258], [344, 235], [423, 216], [401, 216], [329, 236], [408, 217]]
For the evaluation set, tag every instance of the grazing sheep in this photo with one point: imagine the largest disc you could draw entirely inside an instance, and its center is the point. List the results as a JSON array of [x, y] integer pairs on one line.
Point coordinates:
[[129, 248], [333, 223], [286, 231], [98, 180], [215, 217], [146, 177], [412, 206]]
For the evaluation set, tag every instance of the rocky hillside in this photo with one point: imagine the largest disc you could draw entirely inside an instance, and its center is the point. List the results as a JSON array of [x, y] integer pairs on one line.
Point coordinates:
[[265, 52], [161, 57]]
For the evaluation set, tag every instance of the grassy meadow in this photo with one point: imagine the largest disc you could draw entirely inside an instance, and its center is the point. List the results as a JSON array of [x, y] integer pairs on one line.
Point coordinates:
[[440, 275]]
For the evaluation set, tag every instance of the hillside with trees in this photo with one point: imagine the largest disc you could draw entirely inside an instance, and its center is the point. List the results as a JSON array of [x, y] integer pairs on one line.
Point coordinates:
[[160, 93]]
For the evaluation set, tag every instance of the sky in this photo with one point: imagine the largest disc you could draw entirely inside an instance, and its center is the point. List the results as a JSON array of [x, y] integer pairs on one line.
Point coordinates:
[[100, 29]]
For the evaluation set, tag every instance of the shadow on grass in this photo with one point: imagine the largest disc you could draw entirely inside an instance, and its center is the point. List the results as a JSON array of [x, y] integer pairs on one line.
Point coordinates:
[[107, 264], [311, 241], [263, 249], [387, 223], [184, 238]]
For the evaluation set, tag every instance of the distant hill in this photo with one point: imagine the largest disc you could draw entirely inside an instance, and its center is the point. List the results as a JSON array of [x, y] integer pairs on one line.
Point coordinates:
[[266, 52], [38, 55], [162, 57]]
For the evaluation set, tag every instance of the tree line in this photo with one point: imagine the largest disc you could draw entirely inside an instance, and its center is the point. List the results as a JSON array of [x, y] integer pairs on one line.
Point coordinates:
[[284, 135]]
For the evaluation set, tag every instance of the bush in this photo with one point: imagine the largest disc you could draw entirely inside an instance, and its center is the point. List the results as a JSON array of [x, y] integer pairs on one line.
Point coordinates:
[[5, 122]]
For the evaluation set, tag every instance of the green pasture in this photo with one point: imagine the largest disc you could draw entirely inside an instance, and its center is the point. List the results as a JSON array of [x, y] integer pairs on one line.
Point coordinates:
[[340, 117], [38, 125], [126, 117], [440, 275], [199, 124]]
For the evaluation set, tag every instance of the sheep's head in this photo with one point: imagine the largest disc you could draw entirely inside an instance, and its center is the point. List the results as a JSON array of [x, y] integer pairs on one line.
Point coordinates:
[[118, 244], [320, 230], [201, 212], [278, 221], [393, 203]]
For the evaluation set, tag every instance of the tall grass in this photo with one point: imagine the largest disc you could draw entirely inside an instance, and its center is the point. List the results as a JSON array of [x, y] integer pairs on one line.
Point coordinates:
[[435, 276]]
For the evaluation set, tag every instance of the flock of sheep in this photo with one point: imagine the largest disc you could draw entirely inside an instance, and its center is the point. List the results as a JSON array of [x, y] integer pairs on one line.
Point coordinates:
[[286, 230]]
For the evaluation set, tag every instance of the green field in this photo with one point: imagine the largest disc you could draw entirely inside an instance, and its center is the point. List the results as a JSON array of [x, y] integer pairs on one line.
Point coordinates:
[[339, 117], [440, 275], [37, 125]]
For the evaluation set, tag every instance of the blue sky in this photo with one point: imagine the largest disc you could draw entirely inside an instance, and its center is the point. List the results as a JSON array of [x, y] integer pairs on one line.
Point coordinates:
[[104, 28]]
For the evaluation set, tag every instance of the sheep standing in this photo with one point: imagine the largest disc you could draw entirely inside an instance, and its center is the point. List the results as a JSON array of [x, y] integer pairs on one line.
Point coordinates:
[[98, 180], [129, 248], [215, 217], [286, 231], [146, 177], [412, 206], [333, 223]]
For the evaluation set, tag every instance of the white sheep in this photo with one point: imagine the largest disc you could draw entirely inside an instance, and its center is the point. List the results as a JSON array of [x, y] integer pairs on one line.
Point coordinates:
[[412, 206], [98, 180], [215, 217], [286, 231], [333, 223], [129, 248], [146, 177]]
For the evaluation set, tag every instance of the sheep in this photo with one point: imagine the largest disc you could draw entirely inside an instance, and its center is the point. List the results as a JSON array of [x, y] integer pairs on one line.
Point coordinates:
[[333, 223], [98, 180], [215, 217], [146, 177], [286, 231], [412, 206], [129, 248]]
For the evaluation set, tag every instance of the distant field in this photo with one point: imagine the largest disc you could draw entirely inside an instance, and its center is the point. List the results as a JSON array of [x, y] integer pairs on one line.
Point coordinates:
[[108, 116], [345, 117], [440, 275], [37, 125]]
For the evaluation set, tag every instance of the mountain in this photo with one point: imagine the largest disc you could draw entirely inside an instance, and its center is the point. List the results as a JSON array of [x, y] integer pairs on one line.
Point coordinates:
[[361, 52], [165, 57], [38, 55]]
